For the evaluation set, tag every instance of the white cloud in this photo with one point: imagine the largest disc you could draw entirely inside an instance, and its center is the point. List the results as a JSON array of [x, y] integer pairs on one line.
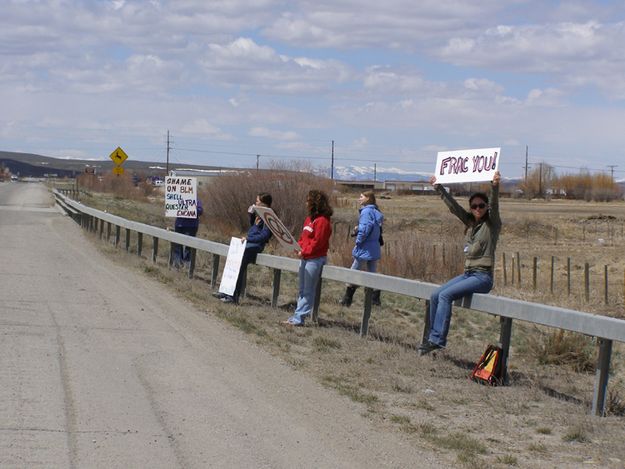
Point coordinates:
[[205, 129], [244, 63], [272, 134]]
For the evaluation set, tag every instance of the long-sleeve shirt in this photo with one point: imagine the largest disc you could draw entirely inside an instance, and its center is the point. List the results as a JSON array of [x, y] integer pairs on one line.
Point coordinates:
[[481, 238], [315, 238]]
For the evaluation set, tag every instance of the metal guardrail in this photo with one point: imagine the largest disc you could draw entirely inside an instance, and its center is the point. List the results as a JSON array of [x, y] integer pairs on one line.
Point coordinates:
[[604, 328]]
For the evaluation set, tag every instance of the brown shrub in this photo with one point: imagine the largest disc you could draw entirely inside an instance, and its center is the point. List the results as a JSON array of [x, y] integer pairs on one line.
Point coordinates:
[[565, 348], [227, 199]]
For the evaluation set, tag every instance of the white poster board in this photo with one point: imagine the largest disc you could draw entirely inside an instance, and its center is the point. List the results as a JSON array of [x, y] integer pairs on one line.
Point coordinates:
[[467, 165], [276, 226], [180, 197], [232, 267]]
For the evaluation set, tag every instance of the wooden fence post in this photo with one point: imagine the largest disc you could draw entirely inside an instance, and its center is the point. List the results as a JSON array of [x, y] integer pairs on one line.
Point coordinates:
[[568, 276], [518, 266], [587, 281], [512, 267], [553, 261], [534, 272], [605, 279], [505, 276]]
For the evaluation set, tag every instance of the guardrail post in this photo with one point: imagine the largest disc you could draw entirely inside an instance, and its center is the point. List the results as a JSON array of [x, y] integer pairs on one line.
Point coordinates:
[[108, 231], [101, 228], [601, 377], [426, 323], [192, 255], [505, 335], [154, 248], [277, 275], [315, 312], [215, 271], [139, 243], [118, 234], [366, 312], [127, 239], [172, 248]]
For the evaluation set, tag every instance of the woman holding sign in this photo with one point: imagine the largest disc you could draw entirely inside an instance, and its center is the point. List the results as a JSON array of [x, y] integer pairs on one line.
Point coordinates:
[[314, 243], [482, 227], [257, 237]]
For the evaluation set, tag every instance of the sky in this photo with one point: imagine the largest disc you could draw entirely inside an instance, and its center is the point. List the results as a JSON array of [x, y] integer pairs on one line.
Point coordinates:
[[390, 82]]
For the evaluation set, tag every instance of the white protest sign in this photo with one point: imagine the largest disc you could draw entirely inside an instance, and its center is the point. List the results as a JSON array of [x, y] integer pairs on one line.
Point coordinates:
[[278, 229], [180, 197], [467, 165], [233, 266]]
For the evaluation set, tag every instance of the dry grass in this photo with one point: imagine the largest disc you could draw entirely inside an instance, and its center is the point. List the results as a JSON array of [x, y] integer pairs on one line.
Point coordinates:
[[540, 420]]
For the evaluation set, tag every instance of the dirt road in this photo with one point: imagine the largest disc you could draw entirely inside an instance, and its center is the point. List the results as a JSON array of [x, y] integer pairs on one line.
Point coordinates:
[[104, 368]]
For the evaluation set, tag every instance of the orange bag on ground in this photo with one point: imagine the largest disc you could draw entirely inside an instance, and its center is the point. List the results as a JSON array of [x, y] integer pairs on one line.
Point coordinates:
[[488, 369]]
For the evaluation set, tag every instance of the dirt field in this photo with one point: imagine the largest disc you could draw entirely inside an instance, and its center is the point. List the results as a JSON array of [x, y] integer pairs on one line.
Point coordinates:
[[540, 420]]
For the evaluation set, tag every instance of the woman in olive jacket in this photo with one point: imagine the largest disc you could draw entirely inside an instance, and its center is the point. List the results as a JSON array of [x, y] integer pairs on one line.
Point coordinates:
[[482, 228]]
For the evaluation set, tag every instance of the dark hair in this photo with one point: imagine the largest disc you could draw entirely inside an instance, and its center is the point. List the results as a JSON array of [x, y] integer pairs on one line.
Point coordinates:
[[481, 195], [484, 197], [318, 204], [370, 196], [265, 198]]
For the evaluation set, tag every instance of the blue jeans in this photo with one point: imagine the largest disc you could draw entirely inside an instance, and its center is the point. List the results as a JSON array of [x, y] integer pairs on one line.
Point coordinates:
[[443, 297], [309, 275], [372, 266], [183, 253]]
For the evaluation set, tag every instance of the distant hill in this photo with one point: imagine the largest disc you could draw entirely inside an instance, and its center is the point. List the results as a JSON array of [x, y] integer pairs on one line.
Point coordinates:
[[32, 165]]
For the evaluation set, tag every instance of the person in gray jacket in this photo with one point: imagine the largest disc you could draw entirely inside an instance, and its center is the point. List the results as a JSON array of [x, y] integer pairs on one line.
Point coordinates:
[[366, 252], [482, 227]]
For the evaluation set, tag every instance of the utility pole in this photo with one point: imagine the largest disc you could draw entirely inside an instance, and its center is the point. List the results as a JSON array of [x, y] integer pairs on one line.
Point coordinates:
[[332, 163], [257, 162], [375, 171], [526, 153], [612, 166], [168, 148]]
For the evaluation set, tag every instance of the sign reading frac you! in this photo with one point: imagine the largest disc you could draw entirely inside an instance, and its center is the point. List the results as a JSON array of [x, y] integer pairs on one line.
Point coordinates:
[[180, 197], [467, 165]]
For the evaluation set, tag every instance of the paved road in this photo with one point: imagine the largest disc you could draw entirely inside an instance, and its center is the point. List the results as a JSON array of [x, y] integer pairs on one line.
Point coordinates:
[[103, 368]]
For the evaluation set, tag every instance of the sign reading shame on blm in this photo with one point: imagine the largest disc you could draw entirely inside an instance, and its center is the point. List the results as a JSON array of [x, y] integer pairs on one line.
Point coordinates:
[[467, 165], [180, 197]]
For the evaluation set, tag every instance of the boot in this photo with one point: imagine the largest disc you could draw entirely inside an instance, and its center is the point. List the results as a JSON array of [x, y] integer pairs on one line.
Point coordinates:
[[348, 296], [375, 298]]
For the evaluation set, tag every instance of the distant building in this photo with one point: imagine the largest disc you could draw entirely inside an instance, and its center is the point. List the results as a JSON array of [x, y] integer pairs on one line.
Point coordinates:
[[390, 186]]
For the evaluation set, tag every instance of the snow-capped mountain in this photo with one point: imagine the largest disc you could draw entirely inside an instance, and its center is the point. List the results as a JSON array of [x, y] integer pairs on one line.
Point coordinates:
[[359, 173]]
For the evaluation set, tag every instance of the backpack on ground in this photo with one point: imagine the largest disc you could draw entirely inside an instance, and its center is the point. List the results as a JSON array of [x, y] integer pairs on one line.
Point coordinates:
[[489, 369]]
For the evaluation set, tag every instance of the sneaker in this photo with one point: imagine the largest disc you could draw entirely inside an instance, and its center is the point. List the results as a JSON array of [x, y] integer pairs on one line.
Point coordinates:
[[228, 299], [218, 295], [427, 347]]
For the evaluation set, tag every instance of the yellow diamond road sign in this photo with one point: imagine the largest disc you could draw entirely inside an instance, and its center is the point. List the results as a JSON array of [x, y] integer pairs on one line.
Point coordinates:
[[118, 170], [118, 156]]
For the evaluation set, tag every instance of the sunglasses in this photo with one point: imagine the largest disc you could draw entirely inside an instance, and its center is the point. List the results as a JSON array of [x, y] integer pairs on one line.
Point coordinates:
[[476, 206]]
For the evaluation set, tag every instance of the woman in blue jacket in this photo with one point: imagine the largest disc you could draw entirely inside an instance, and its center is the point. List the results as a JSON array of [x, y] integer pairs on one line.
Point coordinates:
[[257, 237], [367, 251]]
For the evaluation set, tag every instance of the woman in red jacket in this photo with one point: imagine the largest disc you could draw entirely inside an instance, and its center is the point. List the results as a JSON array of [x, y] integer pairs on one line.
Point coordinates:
[[313, 242]]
